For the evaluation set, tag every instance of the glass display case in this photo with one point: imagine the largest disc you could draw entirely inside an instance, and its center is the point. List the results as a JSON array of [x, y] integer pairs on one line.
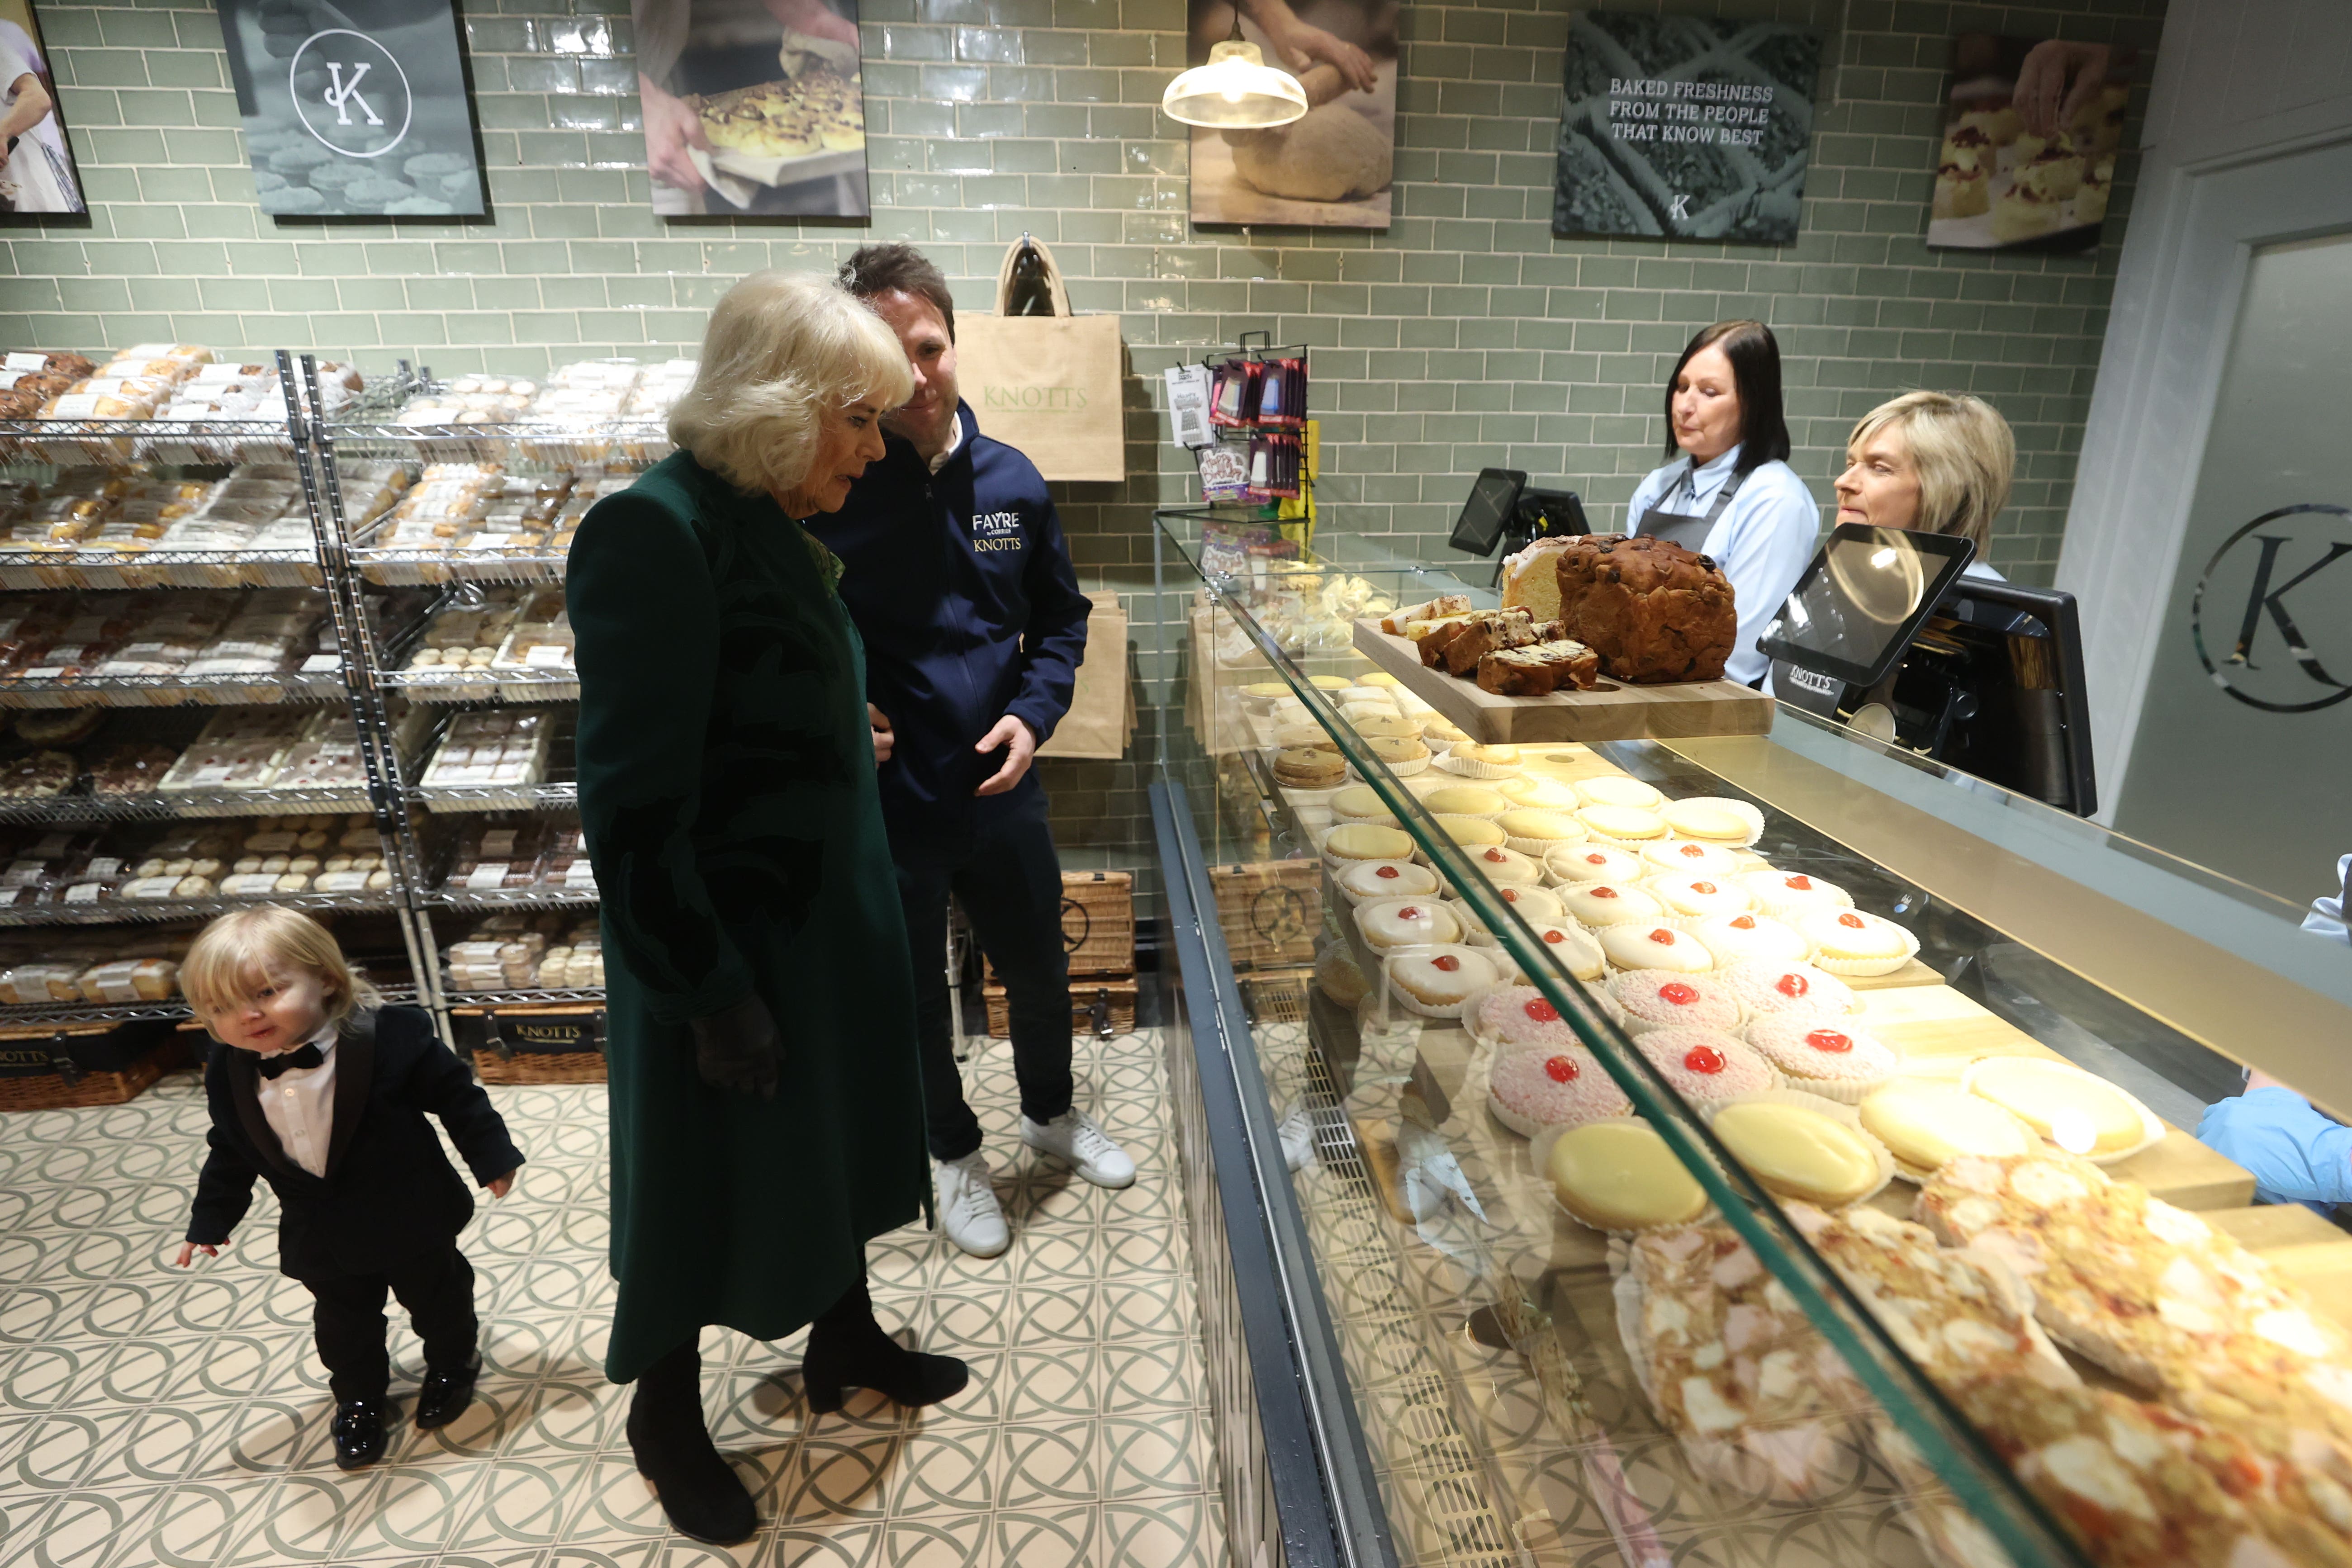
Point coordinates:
[[1790, 1162]]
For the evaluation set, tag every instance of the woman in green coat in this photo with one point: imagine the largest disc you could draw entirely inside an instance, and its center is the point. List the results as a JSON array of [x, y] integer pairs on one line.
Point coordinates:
[[767, 1113]]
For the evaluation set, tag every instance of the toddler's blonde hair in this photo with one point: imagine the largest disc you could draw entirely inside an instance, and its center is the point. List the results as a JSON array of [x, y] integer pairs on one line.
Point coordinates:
[[232, 960]]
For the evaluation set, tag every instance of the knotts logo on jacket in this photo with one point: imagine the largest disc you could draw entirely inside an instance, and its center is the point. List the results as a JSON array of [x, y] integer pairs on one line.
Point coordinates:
[[995, 532]]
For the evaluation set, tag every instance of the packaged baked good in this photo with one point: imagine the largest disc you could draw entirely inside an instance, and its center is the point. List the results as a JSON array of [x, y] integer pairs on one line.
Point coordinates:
[[129, 980], [97, 880], [567, 869], [497, 857], [40, 863], [38, 775], [36, 982], [542, 639]]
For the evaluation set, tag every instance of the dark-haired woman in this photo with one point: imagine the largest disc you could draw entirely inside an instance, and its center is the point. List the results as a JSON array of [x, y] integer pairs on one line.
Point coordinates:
[[1729, 493]]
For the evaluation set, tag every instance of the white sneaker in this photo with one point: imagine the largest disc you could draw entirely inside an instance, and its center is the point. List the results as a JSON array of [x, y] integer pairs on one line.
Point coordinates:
[[1072, 1136], [969, 1211]]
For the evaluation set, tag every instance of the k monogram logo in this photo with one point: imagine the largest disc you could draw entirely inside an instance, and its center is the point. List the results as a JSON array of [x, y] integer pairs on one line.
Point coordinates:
[[363, 107], [2273, 665]]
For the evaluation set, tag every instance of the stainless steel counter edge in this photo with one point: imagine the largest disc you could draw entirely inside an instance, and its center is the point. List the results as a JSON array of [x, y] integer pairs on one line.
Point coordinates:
[[1320, 1467]]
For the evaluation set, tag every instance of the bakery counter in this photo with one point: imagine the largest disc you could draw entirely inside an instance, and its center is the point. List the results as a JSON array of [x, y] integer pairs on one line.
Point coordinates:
[[1669, 1128]]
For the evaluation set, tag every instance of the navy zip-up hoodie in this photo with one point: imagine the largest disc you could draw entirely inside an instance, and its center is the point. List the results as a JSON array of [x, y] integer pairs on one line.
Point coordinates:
[[962, 589]]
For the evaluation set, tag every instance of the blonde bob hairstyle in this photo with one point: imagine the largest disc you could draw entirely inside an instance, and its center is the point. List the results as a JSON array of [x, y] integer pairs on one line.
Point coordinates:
[[1965, 457], [782, 351], [236, 956]]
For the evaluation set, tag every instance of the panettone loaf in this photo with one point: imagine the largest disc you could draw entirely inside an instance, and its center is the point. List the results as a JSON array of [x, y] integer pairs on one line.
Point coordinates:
[[1654, 611]]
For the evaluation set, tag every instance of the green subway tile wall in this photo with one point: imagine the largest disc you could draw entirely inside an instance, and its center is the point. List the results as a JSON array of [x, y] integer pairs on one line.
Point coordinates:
[[1466, 335]]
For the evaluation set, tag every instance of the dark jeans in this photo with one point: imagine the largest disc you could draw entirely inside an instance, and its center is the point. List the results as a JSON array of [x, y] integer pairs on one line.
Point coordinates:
[[347, 1311], [1009, 881]]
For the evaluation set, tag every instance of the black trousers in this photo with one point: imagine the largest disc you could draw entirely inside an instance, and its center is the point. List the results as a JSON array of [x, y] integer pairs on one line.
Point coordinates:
[[347, 1312], [1009, 881]]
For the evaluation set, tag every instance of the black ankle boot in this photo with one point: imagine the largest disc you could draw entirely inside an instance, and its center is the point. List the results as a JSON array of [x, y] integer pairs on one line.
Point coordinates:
[[847, 1349], [702, 1496]]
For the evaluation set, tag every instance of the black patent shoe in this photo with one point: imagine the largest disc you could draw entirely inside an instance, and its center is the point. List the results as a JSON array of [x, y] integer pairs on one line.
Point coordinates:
[[359, 1431], [444, 1395]]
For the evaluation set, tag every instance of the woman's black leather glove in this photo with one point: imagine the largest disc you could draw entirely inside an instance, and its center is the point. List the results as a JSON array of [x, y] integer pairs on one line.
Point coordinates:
[[739, 1049]]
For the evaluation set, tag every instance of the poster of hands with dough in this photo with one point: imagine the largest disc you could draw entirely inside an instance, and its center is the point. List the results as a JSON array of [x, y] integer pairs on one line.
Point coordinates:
[[1332, 169]]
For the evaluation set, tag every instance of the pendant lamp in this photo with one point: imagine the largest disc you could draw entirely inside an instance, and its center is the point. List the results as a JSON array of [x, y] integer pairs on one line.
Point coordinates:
[[1235, 90]]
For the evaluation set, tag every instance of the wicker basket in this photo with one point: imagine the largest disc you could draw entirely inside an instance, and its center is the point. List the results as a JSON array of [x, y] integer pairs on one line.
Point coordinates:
[[1102, 1006], [1098, 923], [79, 1065], [1269, 909], [533, 1045]]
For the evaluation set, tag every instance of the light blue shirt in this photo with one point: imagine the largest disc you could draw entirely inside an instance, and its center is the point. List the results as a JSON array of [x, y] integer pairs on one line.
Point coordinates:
[[1762, 541], [2297, 1154]]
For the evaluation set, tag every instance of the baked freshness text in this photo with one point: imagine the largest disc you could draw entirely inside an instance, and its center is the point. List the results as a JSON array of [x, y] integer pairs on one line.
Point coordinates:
[[1649, 108]]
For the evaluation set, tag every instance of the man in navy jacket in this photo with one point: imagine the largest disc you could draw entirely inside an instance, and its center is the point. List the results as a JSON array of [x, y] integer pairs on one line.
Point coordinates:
[[960, 582]]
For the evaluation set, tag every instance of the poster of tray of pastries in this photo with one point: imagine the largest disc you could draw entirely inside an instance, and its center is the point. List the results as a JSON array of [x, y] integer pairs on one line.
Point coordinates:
[[1335, 167], [1685, 127], [2031, 134], [354, 108], [38, 177], [752, 108]]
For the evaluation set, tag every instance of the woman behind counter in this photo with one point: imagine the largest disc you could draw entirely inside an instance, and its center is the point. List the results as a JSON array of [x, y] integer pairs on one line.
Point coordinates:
[[767, 1110], [1731, 495], [1935, 461]]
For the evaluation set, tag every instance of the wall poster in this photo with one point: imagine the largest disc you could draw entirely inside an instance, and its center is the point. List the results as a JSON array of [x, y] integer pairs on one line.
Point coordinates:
[[1685, 128], [2031, 134], [38, 177], [752, 108], [1332, 169], [354, 109]]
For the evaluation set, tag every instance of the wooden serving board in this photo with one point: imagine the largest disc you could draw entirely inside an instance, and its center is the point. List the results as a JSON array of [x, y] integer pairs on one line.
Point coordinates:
[[1611, 712], [2300, 1245]]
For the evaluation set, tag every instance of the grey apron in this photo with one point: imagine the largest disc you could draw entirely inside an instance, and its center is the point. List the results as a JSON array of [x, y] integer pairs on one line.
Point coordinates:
[[1688, 529]]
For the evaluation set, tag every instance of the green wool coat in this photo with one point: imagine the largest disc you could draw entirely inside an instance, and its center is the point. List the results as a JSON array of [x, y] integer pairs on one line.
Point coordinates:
[[726, 787]]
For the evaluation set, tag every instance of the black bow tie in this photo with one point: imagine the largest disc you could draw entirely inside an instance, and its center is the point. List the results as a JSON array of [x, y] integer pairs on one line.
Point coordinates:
[[307, 1057]]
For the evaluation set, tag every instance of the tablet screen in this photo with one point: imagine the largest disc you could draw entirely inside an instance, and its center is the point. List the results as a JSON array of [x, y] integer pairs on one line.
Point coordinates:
[[1863, 598], [1493, 498]]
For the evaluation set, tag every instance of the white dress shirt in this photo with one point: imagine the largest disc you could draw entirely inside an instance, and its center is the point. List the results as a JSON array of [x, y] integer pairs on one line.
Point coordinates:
[[1761, 541], [955, 443], [300, 1106]]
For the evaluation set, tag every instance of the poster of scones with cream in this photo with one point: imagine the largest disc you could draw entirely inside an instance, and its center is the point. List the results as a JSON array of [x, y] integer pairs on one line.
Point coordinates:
[[2032, 131], [752, 108]]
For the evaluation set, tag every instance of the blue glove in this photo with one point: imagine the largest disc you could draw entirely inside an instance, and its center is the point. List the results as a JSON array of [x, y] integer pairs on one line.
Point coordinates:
[[2297, 1154]]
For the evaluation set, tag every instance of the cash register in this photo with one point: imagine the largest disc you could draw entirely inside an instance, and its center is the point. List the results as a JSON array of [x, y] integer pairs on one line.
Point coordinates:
[[1884, 632], [1503, 509]]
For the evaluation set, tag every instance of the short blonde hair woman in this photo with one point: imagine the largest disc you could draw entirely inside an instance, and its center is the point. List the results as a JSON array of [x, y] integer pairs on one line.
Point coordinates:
[[782, 353], [1935, 461], [767, 1112]]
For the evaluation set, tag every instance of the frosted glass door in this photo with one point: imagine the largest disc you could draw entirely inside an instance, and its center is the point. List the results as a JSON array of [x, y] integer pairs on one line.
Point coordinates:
[[2244, 757]]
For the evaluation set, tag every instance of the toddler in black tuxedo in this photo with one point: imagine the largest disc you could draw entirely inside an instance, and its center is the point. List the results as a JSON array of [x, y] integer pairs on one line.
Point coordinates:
[[321, 1090]]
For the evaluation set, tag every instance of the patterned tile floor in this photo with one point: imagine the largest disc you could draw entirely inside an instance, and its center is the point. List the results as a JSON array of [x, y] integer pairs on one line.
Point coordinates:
[[149, 1416]]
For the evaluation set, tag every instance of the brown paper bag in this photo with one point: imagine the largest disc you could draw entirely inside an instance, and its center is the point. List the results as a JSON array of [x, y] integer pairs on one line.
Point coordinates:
[[1102, 710], [1048, 384]]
